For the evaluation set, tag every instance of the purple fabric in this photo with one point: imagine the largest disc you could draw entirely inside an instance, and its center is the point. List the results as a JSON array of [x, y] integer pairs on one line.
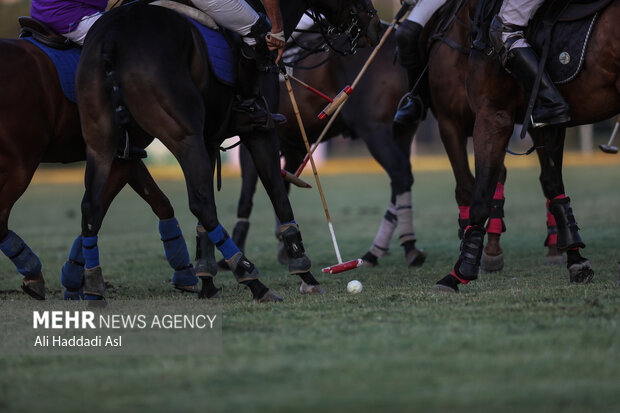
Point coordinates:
[[63, 16]]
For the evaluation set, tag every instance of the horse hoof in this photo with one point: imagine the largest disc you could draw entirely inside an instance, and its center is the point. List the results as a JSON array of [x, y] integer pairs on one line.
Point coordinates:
[[555, 259], [93, 283], [269, 297], [311, 289], [368, 264], [73, 295], [221, 265], [447, 284], [282, 256], [210, 295], [34, 287], [440, 288], [581, 273], [492, 263], [194, 289], [415, 257]]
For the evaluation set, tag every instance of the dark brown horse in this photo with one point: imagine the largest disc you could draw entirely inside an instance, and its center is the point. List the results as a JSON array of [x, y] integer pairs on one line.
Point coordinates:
[[498, 102], [39, 124], [152, 62]]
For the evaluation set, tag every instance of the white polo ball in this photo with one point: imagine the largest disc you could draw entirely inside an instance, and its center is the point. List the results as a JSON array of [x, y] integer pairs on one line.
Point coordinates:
[[354, 287]]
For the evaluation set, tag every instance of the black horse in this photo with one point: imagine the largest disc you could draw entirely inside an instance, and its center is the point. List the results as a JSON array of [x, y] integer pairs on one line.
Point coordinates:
[[152, 63], [376, 97]]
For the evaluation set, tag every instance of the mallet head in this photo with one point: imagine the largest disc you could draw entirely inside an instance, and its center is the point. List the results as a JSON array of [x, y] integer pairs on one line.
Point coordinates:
[[608, 149]]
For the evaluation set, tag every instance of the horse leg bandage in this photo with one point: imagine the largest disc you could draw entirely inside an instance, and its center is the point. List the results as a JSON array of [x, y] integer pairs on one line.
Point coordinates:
[[471, 252], [463, 220], [205, 264], [176, 253], [381, 243], [72, 273], [568, 231], [242, 268], [404, 215], [298, 261], [496, 214], [26, 261], [222, 241], [552, 229]]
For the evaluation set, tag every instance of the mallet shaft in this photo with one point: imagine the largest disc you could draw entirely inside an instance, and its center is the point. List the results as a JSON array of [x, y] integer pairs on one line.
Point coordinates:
[[311, 89], [615, 131], [316, 175]]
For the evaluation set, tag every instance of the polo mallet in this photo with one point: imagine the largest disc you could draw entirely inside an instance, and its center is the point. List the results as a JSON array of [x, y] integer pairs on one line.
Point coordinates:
[[609, 148], [334, 108], [340, 267], [295, 180]]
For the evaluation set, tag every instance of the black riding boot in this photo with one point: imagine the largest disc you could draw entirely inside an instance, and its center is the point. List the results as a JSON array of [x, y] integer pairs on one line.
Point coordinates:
[[522, 63], [410, 107], [249, 111]]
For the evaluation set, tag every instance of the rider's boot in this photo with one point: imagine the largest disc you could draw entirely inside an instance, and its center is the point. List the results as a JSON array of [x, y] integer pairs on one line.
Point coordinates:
[[522, 62], [249, 110], [411, 106]]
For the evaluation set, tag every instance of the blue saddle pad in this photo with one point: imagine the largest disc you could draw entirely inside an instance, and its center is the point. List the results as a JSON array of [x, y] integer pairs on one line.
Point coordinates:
[[66, 62], [220, 54]]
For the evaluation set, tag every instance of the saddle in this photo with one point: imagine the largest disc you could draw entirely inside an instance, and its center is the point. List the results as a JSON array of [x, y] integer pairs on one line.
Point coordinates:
[[39, 31], [559, 32]]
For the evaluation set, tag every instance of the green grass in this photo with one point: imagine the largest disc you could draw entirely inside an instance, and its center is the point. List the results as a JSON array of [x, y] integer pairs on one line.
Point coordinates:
[[521, 340]]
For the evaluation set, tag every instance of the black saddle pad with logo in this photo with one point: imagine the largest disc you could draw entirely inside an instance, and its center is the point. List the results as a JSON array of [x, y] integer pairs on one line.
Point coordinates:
[[573, 25]]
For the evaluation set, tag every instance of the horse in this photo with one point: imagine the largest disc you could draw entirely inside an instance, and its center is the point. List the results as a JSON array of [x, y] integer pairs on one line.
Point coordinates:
[[152, 63], [41, 125], [377, 97], [498, 102]]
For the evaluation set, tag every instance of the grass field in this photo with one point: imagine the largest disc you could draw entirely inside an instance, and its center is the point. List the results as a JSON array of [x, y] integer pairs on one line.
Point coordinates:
[[520, 340]]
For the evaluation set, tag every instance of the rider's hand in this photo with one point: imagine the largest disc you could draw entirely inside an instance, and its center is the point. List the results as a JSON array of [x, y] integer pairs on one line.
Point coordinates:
[[275, 41]]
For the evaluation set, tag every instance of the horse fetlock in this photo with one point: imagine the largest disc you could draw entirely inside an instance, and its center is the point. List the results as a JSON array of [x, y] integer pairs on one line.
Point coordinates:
[[242, 268], [93, 282], [34, 286], [205, 264], [568, 231], [185, 278], [471, 252]]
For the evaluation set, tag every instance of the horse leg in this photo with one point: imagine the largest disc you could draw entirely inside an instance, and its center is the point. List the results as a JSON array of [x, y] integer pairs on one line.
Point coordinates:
[[249, 178], [175, 246], [12, 186], [264, 149], [568, 238], [492, 131], [492, 259], [399, 213]]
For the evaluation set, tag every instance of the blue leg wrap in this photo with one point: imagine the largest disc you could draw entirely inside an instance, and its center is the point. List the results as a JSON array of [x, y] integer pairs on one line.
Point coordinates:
[[222, 241], [185, 277], [174, 244], [26, 261], [90, 251], [72, 274]]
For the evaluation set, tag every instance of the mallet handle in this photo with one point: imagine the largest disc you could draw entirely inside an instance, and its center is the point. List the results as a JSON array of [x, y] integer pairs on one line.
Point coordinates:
[[316, 175]]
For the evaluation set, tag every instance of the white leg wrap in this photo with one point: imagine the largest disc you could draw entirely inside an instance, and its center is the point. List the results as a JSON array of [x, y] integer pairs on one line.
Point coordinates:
[[381, 244], [404, 213], [235, 15], [424, 10]]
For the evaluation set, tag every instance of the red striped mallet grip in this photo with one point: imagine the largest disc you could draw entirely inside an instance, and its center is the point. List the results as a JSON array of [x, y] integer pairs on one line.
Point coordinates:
[[338, 101], [345, 266]]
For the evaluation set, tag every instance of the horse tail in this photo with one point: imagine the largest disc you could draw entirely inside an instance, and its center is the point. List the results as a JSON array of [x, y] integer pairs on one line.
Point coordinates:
[[112, 82]]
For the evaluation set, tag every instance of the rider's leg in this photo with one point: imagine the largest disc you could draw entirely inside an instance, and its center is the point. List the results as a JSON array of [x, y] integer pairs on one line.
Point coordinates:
[[408, 33], [79, 33], [507, 37], [238, 16]]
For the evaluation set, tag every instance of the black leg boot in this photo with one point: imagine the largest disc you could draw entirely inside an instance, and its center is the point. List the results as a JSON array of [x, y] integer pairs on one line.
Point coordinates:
[[411, 107], [552, 109]]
